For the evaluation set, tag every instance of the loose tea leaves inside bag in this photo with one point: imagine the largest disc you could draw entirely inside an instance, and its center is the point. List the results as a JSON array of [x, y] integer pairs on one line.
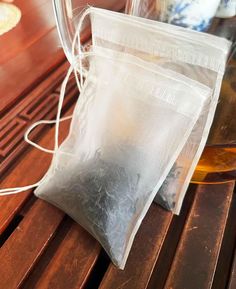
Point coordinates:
[[130, 123], [199, 56]]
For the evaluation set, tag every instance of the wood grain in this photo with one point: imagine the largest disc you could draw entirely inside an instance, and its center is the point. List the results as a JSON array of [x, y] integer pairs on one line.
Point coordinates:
[[21, 73], [144, 253], [197, 254], [224, 264], [46, 86], [36, 21], [232, 282], [71, 264], [26, 244], [10, 135]]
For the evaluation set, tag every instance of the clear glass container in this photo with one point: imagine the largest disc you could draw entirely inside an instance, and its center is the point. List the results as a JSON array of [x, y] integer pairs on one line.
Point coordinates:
[[67, 13]]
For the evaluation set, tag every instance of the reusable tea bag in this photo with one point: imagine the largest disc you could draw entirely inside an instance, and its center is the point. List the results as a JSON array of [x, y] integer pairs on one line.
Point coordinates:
[[199, 56], [130, 123]]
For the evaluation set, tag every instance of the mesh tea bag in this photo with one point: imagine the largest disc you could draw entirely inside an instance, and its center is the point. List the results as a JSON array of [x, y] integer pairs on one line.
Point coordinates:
[[129, 125], [199, 56]]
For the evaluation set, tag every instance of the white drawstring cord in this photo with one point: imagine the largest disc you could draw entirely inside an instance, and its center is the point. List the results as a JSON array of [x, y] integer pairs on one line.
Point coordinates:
[[60, 103], [37, 123], [80, 53], [73, 67], [11, 191]]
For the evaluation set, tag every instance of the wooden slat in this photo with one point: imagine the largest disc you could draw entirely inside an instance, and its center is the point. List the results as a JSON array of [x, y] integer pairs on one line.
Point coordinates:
[[72, 262], [10, 135], [29, 170], [144, 253], [232, 283], [224, 264], [26, 244], [47, 86], [197, 254], [29, 51], [22, 72]]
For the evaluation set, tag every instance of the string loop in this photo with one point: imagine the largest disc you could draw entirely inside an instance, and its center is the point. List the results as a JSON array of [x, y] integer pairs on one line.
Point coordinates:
[[76, 60]]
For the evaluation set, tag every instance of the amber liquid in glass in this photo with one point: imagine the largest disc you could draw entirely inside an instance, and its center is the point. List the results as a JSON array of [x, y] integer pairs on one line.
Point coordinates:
[[218, 161], [216, 165]]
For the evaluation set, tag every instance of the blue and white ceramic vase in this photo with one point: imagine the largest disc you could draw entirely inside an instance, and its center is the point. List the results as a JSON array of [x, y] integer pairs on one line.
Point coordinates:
[[226, 9], [193, 14]]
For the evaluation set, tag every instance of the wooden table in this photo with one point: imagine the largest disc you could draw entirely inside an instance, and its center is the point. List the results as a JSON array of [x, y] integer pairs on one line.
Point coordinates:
[[41, 247]]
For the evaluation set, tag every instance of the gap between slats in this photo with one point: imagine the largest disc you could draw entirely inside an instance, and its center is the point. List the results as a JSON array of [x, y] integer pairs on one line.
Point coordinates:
[[68, 260], [167, 253], [26, 244], [228, 249], [198, 250], [232, 280]]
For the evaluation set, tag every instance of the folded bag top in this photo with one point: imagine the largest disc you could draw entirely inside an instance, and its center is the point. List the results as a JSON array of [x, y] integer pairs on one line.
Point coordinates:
[[158, 39]]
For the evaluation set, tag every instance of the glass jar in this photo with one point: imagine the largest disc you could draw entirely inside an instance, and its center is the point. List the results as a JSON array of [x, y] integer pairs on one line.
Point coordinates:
[[67, 13]]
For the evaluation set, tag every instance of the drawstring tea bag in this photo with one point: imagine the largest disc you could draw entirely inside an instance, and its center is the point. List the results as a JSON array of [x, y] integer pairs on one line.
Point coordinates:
[[129, 125], [123, 140]]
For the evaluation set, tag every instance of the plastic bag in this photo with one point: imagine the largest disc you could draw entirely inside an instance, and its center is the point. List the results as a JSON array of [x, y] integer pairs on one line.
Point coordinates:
[[199, 56], [125, 135]]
